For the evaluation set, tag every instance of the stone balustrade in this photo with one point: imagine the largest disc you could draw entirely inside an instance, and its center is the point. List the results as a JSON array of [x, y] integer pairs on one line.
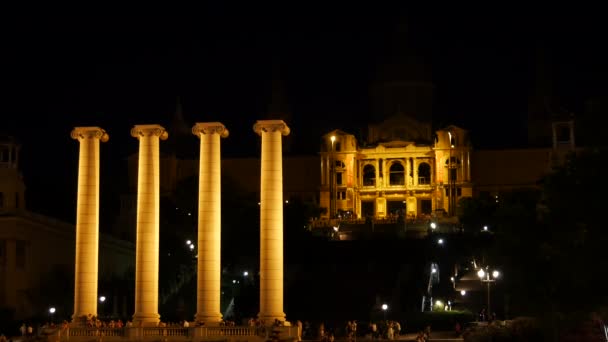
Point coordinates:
[[216, 333]]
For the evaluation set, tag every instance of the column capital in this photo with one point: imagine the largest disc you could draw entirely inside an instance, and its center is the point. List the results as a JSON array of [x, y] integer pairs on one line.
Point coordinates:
[[209, 128], [271, 126], [79, 133], [149, 130]]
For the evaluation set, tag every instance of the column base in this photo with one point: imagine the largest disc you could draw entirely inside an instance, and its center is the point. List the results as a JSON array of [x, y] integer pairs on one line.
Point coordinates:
[[146, 319], [79, 320], [209, 319], [269, 318]]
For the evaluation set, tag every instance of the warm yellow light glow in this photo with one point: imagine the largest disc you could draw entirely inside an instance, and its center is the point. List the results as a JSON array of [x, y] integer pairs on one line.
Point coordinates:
[[495, 274], [271, 219], [333, 138], [87, 221], [209, 223], [481, 273], [463, 292], [147, 223]]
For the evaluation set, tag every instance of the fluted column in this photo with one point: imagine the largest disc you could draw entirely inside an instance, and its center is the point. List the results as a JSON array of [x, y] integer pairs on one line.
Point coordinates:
[[208, 289], [148, 207], [271, 220], [87, 221]]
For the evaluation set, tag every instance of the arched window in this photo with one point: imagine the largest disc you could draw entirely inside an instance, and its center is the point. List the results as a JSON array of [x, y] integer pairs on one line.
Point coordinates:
[[369, 175], [424, 173], [397, 174]]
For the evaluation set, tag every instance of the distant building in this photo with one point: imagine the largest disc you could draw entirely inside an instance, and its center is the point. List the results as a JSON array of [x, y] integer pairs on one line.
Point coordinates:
[[402, 169], [37, 252]]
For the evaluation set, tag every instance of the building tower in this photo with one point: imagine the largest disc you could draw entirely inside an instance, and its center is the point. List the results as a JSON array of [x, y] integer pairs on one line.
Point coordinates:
[[271, 219], [87, 222], [147, 238], [209, 223]]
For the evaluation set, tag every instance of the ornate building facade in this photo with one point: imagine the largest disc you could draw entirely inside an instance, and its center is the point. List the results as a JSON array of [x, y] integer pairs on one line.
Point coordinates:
[[402, 168]]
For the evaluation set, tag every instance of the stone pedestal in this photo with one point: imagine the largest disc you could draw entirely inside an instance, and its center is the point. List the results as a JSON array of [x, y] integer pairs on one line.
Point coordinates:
[[271, 220], [209, 269], [87, 221], [148, 203]]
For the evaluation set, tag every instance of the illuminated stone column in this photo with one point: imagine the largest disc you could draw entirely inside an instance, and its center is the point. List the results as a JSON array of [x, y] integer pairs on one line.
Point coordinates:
[[208, 290], [148, 203], [87, 221], [271, 220]]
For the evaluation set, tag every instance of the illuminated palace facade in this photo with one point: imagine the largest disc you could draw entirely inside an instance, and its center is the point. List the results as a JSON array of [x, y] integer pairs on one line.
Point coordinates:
[[403, 168]]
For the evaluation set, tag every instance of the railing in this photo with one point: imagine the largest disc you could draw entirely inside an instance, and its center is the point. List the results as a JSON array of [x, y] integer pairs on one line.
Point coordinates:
[[229, 331], [165, 331], [90, 332], [168, 333]]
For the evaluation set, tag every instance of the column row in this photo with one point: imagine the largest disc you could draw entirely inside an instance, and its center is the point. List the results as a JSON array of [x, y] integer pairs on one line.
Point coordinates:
[[209, 222]]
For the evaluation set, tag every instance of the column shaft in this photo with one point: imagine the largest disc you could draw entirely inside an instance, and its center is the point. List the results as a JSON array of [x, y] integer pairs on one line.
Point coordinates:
[[209, 224], [87, 222], [271, 220], [148, 208]]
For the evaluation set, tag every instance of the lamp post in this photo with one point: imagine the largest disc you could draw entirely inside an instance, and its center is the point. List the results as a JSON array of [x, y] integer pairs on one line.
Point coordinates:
[[51, 312], [332, 181], [102, 299], [488, 278], [384, 308]]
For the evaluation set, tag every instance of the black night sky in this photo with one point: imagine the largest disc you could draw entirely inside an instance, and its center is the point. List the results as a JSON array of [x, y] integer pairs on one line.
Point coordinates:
[[66, 67]]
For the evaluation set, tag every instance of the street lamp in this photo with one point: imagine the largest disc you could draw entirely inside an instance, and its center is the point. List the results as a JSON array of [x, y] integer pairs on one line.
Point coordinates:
[[384, 308], [488, 278], [463, 292], [245, 274], [440, 241], [51, 312], [433, 225], [102, 300], [188, 242]]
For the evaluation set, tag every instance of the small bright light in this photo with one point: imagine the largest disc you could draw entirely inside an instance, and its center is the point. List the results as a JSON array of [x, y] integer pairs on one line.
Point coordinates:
[[245, 273], [433, 225], [191, 246], [188, 242], [495, 274], [481, 274], [485, 228], [440, 241], [433, 270], [384, 307], [102, 299], [287, 201], [234, 281], [259, 203], [189, 214], [452, 146], [52, 310], [335, 229], [463, 292], [449, 303], [333, 138], [176, 208], [452, 278], [438, 303]]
